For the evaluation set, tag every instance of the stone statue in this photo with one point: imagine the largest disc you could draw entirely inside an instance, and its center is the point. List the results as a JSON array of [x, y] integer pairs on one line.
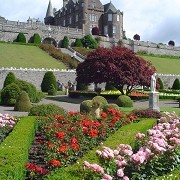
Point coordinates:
[[153, 82]]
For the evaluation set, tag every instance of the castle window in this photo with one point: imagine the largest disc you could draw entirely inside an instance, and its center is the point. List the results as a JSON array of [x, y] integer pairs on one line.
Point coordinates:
[[82, 4], [109, 17], [76, 17], [90, 17], [95, 18], [64, 22], [117, 17], [114, 29], [70, 20], [105, 30], [70, 10]]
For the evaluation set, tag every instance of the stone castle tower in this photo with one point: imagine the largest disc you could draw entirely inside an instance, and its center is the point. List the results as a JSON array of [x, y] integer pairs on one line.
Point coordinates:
[[86, 14]]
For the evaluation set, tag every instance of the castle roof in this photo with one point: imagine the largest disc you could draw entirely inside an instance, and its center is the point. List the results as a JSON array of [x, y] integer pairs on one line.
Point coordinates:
[[49, 12], [109, 6]]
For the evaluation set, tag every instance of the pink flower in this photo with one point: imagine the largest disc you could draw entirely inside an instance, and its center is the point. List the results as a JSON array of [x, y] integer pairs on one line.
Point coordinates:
[[127, 152], [139, 135], [87, 164], [106, 177], [116, 152], [97, 168], [120, 173], [99, 153], [125, 178]]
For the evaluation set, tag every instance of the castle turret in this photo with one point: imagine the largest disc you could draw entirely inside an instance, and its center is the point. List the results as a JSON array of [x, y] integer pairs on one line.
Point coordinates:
[[65, 2], [49, 19]]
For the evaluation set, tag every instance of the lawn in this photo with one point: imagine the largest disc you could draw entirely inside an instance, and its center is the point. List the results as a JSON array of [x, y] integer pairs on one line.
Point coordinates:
[[14, 55]]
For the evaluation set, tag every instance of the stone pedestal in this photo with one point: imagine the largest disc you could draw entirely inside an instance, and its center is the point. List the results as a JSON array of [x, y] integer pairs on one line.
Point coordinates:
[[154, 101]]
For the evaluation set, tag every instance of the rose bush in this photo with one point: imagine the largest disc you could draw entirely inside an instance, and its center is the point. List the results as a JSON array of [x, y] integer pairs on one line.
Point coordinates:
[[154, 154]]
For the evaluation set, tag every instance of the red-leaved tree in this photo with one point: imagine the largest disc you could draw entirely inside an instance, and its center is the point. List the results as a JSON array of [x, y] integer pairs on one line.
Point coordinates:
[[118, 66]]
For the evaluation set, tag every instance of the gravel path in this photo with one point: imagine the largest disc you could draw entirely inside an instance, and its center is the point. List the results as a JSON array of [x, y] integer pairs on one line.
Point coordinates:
[[74, 105]]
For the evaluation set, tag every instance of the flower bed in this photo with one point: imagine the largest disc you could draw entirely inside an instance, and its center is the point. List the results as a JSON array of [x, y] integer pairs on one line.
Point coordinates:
[[153, 155], [7, 123], [65, 139]]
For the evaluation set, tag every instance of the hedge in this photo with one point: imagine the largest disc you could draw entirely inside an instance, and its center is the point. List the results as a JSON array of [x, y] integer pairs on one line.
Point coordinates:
[[14, 149]]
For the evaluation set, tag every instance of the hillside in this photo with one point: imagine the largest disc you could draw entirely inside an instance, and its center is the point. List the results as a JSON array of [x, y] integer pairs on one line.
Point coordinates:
[[14, 55]]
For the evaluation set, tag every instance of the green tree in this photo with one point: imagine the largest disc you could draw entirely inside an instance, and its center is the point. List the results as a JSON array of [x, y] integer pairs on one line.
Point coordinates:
[[21, 38], [48, 79], [78, 43], [36, 38], [89, 42], [176, 84], [10, 78], [65, 42], [160, 84]]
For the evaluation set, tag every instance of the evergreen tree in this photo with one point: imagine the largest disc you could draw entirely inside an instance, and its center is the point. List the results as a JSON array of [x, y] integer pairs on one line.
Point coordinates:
[[36, 38], [78, 43], [10, 78], [65, 42], [89, 42], [21, 38], [176, 84], [161, 85]]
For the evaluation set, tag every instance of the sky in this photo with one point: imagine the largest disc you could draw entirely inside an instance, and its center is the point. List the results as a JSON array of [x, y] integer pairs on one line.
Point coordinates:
[[156, 21]]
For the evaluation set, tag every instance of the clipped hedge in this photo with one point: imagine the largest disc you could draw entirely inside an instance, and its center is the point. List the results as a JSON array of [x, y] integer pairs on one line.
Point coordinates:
[[14, 149]]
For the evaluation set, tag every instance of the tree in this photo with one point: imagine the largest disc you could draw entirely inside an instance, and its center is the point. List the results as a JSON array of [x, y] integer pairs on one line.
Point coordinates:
[[176, 84], [118, 66], [95, 31], [10, 78], [36, 38], [78, 43], [161, 85], [21, 38], [47, 81], [89, 41], [171, 43], [136, 37], [65, 42]]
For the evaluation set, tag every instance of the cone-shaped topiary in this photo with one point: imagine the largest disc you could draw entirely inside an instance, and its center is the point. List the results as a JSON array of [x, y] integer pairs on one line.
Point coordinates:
[[124, 101], [176, 84], [109, 87], [65, 42], [161, 85], [52, 91], [10, 78], [48, 79], [86, 107], [78, 43], [99, 101], [23, 103], [9, 94], [21, 38], [36, 38]]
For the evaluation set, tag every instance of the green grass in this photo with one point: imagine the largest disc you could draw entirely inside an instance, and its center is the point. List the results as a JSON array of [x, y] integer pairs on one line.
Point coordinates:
[[164, 65], [15, 55]]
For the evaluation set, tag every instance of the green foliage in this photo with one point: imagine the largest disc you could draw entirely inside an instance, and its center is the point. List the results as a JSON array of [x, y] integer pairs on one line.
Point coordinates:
[[78, 43], [109, 87], [176, 84], [21, 38], [160, 84], [48, 79], [46, 110], [99, 101], [81, 87], [124, 101], [111, 106], [65, 42], [52, 91], [85, 107], [14, 149], [36, 38], [9, 94], [10, 78], [23, 103], [89, 42]]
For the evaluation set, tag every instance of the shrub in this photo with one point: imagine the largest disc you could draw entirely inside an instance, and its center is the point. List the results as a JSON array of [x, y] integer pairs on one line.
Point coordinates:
[[52, 91], [176, 84], [95, 31], [39, 96], [36, 38], [85, 107], [23, 103], [65, 42], [109, 87], [21, 38], [161, 85], [10, 78], [89, 42], [48, 79], [111, 106], [99, 101], [171, 43], [46, 110], [136, 37], [146, 113], [78, 43], [124, 101], [81, 87], [9, 94]]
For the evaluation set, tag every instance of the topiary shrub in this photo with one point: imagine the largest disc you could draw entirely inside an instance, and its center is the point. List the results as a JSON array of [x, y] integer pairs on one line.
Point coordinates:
[[171, 43], [52, 91], [146, 113], [46, 110], [48, 79], [65, 42], [10, 78], [9, 94], [109, 87], [95, 31], [78, 43], [176, 84], [161, 85], [86, 107], [136, 37], [23, 103], [111, 106], [36, 38], [99, 101], [81, 87], [89, 42], [124, 101], [21, 38]]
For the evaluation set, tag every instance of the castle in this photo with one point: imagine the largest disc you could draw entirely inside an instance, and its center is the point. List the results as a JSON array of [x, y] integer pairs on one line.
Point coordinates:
[[86, 14]]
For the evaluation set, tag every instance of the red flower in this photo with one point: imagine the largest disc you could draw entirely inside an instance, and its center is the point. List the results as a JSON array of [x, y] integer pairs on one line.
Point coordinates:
[[40, 141], [85, 129], [111, 125], [87, 123], [73, 141], [75, 147], [54, 162], [56, 124], [39, 169], [96, 124], [103, 115], [93, 133], [114, 119], [118, 114], [111, 111], [71, 113], [49, 144], [31, 167], [47, 128], [60, 135], [62, 149], [59, 117]]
